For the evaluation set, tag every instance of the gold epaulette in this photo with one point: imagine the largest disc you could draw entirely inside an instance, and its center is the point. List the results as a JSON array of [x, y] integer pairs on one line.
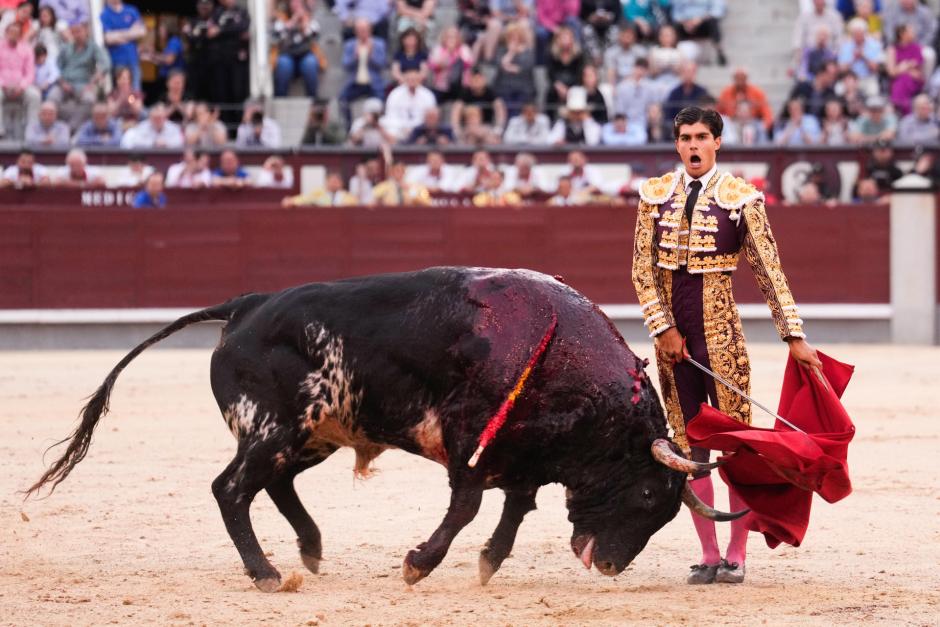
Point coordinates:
[[733, 193], [656, 191]]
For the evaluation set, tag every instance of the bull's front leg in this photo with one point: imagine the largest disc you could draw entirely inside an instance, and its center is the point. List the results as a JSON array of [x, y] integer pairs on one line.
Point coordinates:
[[464, 504], [518, 503]]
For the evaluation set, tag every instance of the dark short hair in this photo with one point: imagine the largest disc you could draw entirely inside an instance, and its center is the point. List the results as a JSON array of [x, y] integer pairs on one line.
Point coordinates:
[[692, 115]]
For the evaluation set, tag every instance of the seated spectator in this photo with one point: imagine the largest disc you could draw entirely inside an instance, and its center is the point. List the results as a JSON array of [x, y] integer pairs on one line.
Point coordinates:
[[599, 27], [585, 180], [411, 55], [449, 63], [921, 19], [20, 13], [320, 129], [47, 72], [151, 196], [473, 131], [192, 172], [416, 15], [870, 11], [205, 131], [480, 166], [742, 90], [623, 132], [863, 54], [620, 58], [882, 167], [179, 107], [52, 32], [515, 80], [295, 37], [665, 58], [920, 125], [493, 194], [364, 61], [135, 173], [634, 94], [816, 93], [367, 130], [905, 66], [26, 173], [503, 13], [363, 182], [850, 92], [597, 104], [406, 105], [925, 164], [83, 70], [395, 190], [529, 127], [808, 194], [431, 132], [808, 26], [478, 93], [816, 57], [695, 19], [331, 195], [522, 177], [77, 172], [257, 129], [125, 104], [230, 174], [835, 125], [576, 126], [473, 18], [154, 132], [123, 28], [17, 74], [436, 175], [647, 15], [565, 68], [373, 13], [743, 129], [866, 190], [101, 130], [68, 11], [687, 93], [551, 16], [565, 195], [877, 123], [274, 173], [797, 128], [658, 128], [47, 131]]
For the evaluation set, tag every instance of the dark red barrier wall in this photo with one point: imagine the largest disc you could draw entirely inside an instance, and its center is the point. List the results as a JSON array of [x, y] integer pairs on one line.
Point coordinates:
[[125, 258]]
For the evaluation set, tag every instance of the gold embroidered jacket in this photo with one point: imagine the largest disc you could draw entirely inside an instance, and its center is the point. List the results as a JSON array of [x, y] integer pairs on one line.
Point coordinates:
[[728, 216]]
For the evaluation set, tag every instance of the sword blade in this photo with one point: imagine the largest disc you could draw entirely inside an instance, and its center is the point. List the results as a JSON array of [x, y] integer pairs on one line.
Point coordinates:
[[735, 389]]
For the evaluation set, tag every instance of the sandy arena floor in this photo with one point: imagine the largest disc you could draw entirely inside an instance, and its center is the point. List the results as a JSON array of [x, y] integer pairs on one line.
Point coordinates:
[[134, 536]]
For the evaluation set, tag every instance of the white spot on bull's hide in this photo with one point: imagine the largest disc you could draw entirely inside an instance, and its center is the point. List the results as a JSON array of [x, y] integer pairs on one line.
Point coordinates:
[[429, 436], [333, 401], [241, 415]]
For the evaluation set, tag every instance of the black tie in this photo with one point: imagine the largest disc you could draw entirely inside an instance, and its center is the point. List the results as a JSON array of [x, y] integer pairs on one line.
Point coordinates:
[[690, 200]]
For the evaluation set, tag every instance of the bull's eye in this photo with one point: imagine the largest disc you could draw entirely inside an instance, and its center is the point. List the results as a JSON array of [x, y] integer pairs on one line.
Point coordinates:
[[648, 494]]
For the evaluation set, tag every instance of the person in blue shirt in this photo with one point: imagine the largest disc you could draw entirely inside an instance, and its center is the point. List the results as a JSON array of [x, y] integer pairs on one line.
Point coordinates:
[[100, 130], [122, 28], [622, 132], [229, 173], [151, 196]]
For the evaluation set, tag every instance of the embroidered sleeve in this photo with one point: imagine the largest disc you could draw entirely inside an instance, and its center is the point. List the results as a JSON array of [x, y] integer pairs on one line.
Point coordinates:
[[760, 249], [656, 317]]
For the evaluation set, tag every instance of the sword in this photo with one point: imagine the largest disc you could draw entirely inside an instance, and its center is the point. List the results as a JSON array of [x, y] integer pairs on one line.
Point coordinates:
[[735, 389]]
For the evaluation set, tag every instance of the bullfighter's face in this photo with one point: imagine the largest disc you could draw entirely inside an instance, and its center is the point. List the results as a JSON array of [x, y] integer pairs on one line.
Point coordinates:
[[615, 518]]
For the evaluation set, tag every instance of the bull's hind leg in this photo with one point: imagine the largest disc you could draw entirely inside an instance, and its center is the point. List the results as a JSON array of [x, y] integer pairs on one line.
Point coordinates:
[[284, 495], [464, 504], [518, 503]]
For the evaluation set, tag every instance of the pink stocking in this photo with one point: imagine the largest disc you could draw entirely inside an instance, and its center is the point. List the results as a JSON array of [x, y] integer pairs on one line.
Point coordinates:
[[704, 527], [737, 546]]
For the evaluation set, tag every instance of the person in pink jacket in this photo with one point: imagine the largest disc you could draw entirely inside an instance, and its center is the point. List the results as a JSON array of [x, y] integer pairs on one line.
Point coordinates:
[[549, 15], [17, 73]]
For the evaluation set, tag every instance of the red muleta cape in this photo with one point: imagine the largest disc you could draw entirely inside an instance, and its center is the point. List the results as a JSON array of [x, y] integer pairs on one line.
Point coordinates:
[[776, 471]]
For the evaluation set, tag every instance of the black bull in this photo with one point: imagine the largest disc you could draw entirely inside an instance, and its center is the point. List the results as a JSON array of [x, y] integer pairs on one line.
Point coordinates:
[[421, 361]]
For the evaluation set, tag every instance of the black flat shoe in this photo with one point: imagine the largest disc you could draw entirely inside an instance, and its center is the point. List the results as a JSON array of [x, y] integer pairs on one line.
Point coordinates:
[[701, 574], [729, 573]]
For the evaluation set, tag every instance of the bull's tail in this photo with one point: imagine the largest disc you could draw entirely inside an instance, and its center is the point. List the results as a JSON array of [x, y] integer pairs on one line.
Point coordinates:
[[97, 406]]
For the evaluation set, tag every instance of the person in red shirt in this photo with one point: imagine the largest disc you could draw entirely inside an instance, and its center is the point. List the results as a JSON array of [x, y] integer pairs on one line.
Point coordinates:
[[741, 89]]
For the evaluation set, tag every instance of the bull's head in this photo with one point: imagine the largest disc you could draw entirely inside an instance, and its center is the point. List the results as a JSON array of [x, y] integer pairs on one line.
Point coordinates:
[[612, 526]]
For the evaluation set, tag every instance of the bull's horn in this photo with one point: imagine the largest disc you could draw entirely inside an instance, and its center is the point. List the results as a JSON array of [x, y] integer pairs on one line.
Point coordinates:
[[665, 455], [699, 507]]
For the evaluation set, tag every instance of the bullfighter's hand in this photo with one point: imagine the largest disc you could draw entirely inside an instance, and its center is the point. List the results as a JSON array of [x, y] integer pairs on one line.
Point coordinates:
[[804, 353], [671, 345]]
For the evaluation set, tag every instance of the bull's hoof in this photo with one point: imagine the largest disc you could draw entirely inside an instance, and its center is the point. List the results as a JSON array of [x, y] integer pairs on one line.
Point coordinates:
[[312, 563], [412, 574], [268, 584], [487, 568]]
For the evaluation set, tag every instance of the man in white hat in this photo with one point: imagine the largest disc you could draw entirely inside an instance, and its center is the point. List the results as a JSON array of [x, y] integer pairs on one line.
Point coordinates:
[[575, 124]]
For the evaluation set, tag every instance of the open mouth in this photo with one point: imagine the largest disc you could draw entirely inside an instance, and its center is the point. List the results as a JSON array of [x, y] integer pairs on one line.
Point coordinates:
[[583, 547], [695, 160]]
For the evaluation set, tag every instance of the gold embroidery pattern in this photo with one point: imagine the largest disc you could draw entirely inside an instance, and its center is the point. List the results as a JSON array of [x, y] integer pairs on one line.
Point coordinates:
[[667, 382], [734, 192], [760, 250], [656, 191], [646, 277], [706, 223], [702, 264], [701, 243], [727, 352]]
